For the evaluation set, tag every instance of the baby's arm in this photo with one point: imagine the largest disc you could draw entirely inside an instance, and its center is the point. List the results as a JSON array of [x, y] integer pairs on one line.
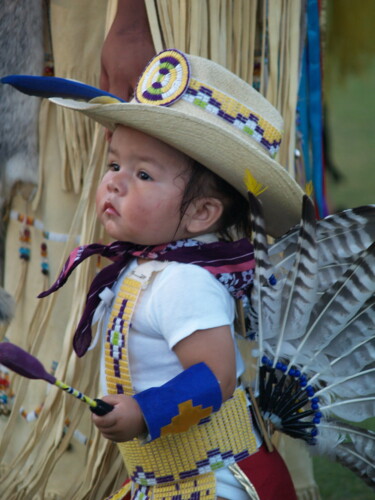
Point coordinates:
[[213, 346]]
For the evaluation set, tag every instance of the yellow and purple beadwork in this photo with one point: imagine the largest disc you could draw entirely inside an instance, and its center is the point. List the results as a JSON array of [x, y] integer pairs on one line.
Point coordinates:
[[167, 79], [164, 80], [234, 113]]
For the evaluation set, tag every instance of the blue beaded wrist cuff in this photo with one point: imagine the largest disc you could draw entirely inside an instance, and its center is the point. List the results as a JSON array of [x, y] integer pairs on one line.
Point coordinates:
[[180, 403]]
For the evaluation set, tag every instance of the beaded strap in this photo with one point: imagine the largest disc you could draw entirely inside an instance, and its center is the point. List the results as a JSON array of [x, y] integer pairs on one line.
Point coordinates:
[[116, 346], [234, 113]]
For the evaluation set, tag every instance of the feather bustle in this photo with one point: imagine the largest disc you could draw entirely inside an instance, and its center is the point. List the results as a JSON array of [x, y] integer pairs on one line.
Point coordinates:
[[316, 330]]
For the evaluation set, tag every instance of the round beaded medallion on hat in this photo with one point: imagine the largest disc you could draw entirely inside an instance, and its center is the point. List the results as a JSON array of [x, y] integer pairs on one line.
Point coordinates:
[[164, 80]]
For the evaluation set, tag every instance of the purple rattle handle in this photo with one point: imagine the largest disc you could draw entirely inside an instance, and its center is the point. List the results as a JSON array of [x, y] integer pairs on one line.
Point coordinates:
[[23, 363]]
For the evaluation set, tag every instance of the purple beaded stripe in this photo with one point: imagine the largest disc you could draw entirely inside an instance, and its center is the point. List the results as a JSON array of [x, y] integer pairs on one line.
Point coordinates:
[[116, 341]]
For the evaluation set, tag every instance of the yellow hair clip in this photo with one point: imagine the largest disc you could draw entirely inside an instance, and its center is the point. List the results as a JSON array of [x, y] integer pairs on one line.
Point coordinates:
[[252, 184]]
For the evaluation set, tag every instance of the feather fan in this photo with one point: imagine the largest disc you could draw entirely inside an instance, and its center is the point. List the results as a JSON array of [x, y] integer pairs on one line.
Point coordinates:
[[312, 310]]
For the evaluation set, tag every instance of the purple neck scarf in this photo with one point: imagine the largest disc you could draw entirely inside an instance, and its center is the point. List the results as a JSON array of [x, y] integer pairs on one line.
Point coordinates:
[[232, 263]]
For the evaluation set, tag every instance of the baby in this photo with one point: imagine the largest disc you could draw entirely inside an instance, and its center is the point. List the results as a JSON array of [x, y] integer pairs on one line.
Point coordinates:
[[174, 200]]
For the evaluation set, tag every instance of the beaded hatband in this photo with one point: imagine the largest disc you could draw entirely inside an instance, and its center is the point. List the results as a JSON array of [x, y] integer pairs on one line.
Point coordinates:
[[234, 113], [167, 78], [176, 464]]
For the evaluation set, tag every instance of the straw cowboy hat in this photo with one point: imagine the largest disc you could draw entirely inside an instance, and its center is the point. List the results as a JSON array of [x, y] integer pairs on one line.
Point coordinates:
[[210, 114]]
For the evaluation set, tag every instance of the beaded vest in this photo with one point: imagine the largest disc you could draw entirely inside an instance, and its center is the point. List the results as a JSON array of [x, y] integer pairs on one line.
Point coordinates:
[[180, 465]]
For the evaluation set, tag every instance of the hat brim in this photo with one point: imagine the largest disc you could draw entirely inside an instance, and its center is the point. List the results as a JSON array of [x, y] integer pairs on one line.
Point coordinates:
[[225, 153]]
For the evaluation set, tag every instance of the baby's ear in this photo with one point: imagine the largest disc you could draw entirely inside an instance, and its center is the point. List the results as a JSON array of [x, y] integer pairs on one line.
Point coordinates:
[[203, 215]]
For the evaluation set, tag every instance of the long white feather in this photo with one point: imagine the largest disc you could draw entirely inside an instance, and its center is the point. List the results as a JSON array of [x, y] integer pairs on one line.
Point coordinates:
[[364, 467], [299, 290], [363, 439], [354, 409], [353, 447], [361, 384], [356, 358], [262, 294], [358, 329], [338, 236], [336, 307], [352, 348]]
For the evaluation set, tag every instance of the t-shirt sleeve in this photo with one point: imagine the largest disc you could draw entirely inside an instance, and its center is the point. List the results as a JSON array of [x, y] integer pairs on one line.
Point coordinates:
[[186, 298]]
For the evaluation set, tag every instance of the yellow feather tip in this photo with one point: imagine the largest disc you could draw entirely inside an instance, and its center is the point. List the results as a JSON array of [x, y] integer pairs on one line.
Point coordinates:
[[309, 188], [252, 184]]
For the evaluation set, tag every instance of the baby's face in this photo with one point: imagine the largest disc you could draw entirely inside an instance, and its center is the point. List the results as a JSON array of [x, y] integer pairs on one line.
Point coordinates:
[[139, 197]]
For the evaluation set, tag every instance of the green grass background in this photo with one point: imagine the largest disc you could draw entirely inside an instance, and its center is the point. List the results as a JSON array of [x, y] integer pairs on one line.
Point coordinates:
[[339, 483], [351, 126]]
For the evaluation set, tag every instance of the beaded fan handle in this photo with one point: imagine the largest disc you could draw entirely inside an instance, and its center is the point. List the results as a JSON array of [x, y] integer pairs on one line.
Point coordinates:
[[23, 363]]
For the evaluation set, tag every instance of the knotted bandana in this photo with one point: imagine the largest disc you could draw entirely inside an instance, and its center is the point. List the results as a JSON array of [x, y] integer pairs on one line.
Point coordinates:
[[232, 263]]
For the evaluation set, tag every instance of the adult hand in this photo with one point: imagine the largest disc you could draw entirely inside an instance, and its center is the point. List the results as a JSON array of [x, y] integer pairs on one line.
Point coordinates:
[[126, 50]]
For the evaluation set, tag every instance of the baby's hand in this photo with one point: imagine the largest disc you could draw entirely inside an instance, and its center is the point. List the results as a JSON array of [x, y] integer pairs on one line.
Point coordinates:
[[124, 422]]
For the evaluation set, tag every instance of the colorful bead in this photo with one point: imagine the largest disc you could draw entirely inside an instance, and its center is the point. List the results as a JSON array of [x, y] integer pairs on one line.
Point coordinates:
[[272, 280], [24, 253], [44, 263], [4, 383], [43, 249], [38, 225], [31, 416], [5, 392], [25, 236]]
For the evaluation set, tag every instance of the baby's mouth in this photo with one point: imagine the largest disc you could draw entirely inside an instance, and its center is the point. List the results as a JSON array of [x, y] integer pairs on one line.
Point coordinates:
[[109, 209]]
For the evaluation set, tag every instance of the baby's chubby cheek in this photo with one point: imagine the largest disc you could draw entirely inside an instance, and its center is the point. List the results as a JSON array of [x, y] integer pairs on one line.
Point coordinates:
[[99, 200]]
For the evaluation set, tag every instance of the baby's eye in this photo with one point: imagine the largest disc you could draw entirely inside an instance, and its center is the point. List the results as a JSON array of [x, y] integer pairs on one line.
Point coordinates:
[[115, 167], [144, 176]]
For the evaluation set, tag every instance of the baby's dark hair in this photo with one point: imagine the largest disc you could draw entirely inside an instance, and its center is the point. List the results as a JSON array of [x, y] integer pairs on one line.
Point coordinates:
[[235, 220]]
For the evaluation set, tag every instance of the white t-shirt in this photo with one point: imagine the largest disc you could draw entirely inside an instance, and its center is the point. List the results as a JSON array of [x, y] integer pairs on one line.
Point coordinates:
[[179, 300]]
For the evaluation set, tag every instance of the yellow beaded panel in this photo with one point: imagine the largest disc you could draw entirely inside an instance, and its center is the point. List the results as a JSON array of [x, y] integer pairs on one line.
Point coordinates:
[[116, 358], [224, 439]]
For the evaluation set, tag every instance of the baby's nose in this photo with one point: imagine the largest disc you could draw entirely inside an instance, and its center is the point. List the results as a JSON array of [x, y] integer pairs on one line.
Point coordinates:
[[118, 183]]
